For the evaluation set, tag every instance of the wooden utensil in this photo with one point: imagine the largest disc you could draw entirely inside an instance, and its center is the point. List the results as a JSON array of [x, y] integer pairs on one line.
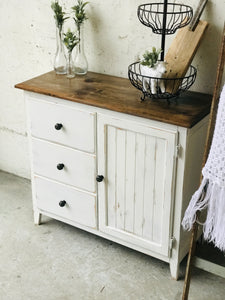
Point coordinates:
[[197, 15], [183, 49]]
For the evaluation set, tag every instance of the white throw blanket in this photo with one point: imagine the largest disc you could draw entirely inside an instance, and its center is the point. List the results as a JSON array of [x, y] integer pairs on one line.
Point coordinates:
[[211, 193]]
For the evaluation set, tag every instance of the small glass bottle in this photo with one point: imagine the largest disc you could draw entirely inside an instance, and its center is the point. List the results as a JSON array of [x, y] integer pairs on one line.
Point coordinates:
[[70, 66], [60, 57], [80, 61]]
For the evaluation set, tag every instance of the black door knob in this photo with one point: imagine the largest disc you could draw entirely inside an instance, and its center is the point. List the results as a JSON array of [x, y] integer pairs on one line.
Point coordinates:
[[60, 166], [99, 178], [62, 203], [58, 126]]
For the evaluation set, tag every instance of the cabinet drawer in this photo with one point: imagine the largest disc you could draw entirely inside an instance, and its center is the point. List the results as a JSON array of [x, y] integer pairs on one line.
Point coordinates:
[[79, 167], [79, 207], [78, 127]]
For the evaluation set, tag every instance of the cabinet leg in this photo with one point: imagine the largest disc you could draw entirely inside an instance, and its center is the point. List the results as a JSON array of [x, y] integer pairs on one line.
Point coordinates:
[[174, 270], [37, 217]]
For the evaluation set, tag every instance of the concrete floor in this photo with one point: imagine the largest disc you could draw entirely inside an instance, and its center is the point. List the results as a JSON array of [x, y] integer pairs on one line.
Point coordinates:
[[55, 261]]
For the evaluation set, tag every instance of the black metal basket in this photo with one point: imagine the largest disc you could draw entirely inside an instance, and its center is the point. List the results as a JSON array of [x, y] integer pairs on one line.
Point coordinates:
[[153, 15], [173, 86]]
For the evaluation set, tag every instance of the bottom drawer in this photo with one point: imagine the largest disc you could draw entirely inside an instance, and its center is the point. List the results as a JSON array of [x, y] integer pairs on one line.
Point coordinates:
[[66, 202]]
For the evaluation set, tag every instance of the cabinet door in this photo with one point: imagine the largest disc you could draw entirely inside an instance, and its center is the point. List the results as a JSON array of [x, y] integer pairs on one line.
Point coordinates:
[[136, 195]]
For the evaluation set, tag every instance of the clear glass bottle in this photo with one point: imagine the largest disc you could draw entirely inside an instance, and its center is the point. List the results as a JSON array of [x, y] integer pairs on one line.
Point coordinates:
[[70, 66], [80, 61], [60, 57]]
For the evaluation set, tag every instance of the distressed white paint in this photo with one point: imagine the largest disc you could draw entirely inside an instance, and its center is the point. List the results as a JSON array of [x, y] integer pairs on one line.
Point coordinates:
[[146, 186], [141, 157], [79, 167], [113, 37], [208, 266], [71, 121], [80, 206]]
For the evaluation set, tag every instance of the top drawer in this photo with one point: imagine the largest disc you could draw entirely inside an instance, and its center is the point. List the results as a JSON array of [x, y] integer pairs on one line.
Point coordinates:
[[77, 130]]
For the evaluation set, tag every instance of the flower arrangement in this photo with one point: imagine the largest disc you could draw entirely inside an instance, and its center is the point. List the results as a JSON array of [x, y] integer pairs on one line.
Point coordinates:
[[153, 71], [60, 58], [79, 13], [70, 40], [59, 14], [80, 61], [150, 58]]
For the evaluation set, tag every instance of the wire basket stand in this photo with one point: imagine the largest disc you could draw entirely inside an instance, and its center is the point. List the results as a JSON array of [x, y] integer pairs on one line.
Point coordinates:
[[164, 19]]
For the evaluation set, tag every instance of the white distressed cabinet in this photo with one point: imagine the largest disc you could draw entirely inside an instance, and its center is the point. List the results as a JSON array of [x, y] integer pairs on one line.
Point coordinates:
[[146, 169]]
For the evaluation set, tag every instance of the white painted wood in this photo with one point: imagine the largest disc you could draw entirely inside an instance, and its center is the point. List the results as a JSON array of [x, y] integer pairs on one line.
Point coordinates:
[[98, 111], [130, 181], [37, 217], [189, 165], [80, 207], [139, 178], [120, 177], [79, 167], [209, 266], [161, 194], [45, 115], [111, 150], [174, 269], [126, 145], [36, 211], [149, 190]]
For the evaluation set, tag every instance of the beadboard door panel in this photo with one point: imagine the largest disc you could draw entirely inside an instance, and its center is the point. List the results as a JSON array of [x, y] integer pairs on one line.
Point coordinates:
[[80, 207], [79, 168], [136, 197], [45, 115]]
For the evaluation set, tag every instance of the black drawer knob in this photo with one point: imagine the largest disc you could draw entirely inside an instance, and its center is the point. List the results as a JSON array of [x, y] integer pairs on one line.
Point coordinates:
[[99, 178], [58, 126], [60, 166], [62, 203]]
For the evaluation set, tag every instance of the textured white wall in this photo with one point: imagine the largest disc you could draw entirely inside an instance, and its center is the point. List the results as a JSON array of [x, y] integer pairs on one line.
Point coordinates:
[[113, 37]]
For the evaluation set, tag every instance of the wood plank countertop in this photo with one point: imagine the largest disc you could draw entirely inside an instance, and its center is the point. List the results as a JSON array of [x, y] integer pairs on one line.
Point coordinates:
[[117, 94]]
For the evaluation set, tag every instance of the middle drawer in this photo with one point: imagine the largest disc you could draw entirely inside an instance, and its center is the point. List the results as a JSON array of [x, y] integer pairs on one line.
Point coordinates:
[[64, 164]]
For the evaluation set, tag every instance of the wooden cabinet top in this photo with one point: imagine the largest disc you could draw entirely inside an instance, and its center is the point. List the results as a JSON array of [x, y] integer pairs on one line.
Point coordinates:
[[117, 94]]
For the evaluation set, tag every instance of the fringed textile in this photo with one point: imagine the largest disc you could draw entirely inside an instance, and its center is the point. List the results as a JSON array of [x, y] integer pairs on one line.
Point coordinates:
[[211, 193]]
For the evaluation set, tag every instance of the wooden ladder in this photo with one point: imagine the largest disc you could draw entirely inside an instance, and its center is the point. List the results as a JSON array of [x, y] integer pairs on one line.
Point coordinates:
[[192, 259]]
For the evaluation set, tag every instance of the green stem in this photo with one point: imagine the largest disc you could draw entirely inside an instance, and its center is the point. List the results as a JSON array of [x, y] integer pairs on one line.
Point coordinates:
[[79, 38]]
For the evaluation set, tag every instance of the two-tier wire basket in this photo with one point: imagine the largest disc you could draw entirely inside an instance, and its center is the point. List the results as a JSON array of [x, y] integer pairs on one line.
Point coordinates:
[[164, 19]]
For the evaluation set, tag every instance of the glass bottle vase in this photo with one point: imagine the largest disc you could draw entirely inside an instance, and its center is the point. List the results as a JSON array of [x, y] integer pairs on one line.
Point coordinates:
[[80, 60], [60, 57], [70, 66]]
